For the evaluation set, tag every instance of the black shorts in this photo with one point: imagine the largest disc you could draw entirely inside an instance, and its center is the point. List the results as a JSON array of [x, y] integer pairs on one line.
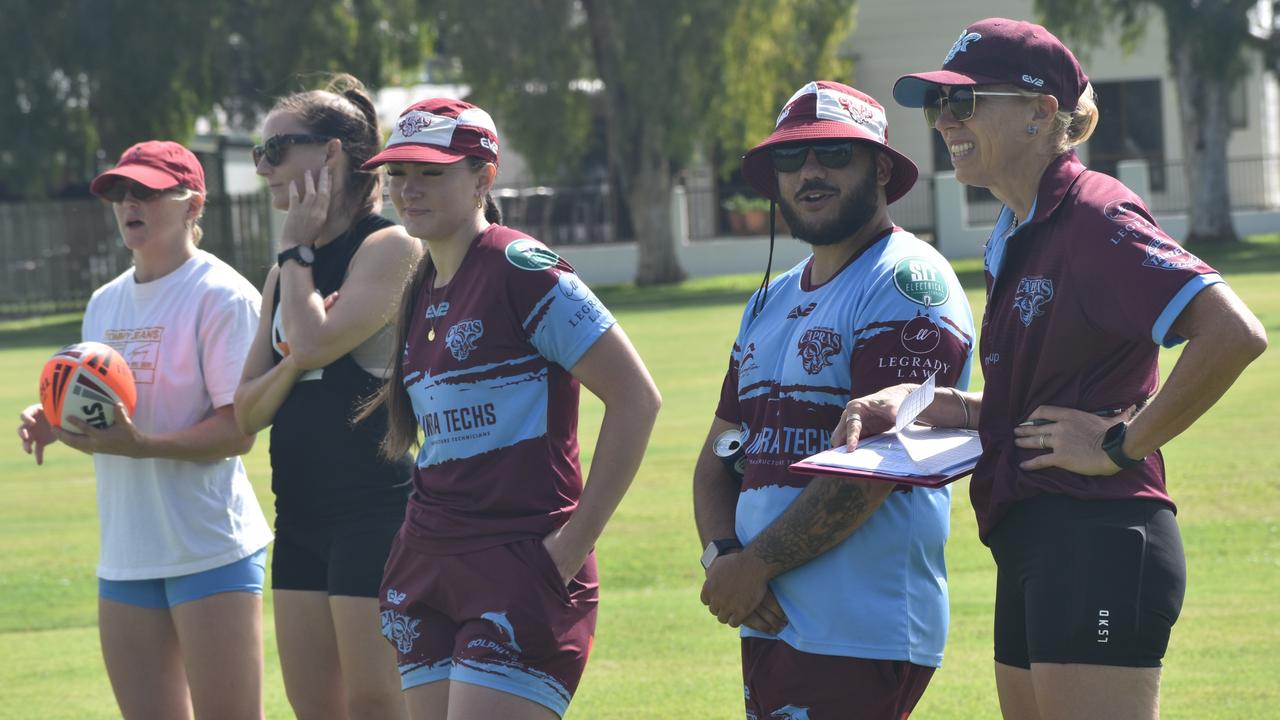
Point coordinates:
[[1094, 582], [340, 558]]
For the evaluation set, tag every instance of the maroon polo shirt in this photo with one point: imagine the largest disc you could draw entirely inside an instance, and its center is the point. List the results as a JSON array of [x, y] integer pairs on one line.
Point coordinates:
[[1079, 300]]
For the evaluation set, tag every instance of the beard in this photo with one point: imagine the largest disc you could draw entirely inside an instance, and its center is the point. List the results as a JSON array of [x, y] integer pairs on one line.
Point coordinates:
[[857, 208]]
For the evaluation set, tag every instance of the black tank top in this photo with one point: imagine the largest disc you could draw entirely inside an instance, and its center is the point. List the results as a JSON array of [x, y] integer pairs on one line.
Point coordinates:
[[323, 467]]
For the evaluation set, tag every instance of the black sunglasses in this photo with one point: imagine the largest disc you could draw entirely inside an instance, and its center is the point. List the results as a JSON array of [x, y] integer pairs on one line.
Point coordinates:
[[118, 190], [275, 147], [790, 158], [961, 101]]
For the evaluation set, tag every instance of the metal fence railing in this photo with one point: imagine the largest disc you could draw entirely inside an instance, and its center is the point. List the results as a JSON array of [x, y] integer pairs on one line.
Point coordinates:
[[54, 254]]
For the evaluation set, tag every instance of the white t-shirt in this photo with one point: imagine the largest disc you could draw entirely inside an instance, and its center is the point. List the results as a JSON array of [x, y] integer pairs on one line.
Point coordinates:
[[185, 336]]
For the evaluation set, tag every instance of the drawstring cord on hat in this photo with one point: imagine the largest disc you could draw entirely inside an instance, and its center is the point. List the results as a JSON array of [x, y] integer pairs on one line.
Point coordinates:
[[763, 295]]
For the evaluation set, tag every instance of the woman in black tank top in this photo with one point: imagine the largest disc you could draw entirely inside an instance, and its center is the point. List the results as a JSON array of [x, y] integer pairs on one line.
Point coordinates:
[[321, 349]]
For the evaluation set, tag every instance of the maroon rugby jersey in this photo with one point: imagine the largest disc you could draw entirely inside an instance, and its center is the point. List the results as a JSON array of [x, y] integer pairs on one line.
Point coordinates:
[[1079, 300], [494, 397]]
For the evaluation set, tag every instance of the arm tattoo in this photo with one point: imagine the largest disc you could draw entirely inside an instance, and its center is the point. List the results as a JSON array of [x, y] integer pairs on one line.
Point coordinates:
[[828, 511]]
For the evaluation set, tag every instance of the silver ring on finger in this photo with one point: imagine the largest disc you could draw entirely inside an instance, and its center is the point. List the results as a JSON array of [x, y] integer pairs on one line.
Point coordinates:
[[1042, 442], [854, 416]]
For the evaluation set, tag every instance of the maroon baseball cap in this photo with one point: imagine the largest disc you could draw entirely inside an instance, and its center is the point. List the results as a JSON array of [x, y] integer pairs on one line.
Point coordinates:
[[157, 164], [999, 51], [439, 130], [825, 110]]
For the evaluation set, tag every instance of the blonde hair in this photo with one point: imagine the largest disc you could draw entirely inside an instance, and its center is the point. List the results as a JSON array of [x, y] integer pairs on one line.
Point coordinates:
[[1075, 127], [197, 232]]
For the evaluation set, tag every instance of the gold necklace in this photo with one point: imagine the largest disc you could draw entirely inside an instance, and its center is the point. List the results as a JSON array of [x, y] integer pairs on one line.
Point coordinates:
[[431, 309]]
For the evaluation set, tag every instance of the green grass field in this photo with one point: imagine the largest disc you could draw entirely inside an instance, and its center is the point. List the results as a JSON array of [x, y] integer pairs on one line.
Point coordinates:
[[658, 653]]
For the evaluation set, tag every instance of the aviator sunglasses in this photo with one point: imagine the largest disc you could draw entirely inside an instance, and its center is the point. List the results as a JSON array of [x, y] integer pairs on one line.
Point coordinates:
[[276, 146], [790, 158], [961, 101], [118, 190]]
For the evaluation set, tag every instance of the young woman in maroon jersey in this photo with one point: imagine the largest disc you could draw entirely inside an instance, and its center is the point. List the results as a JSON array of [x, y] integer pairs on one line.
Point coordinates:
[[1083, 288], [490, 592]]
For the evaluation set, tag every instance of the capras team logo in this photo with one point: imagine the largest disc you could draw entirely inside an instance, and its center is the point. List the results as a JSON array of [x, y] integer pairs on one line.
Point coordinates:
[[401, 630], [1034, 292], [962, 44], [816, 347], [791, 712], [920, 335], [395, 597], [461, 338], [1167, 255], [414, 123], [859, 111]]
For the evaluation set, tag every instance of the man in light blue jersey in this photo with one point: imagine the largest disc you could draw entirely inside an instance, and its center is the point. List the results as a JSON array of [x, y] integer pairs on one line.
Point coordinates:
[[839, 584]]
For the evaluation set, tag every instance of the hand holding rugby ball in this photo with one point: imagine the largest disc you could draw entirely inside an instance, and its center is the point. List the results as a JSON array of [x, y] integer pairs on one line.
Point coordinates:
[[85, 381]]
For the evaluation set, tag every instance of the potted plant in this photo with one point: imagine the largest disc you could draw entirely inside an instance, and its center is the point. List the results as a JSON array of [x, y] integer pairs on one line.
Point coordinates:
[[747, 215]]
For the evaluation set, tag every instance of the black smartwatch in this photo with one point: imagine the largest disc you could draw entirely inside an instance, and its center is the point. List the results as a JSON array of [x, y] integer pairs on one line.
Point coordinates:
[[302, 254], [716, 548], [1113, 444]]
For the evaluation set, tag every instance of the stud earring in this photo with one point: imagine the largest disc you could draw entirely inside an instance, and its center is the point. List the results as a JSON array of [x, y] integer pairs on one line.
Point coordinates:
[[1032, 129]]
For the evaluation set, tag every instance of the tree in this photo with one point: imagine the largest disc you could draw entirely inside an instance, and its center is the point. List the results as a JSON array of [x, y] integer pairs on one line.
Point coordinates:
[[86, 78], [1207, 42], [674, 72]]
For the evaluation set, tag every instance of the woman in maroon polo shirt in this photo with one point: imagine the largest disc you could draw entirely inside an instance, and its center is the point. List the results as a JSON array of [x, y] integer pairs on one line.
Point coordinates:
[[1083, 288]]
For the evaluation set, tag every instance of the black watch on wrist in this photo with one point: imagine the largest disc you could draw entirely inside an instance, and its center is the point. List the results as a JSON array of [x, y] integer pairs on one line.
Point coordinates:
[[1113, 444], [716, 548], [302, 254]]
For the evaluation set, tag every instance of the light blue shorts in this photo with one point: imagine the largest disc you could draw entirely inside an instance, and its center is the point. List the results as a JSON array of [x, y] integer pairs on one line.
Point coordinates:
[[244, 575]]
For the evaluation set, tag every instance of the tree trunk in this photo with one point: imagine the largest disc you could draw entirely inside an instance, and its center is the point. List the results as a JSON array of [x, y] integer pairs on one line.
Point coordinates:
[[1203, 102], [637, 153], [649, 199]]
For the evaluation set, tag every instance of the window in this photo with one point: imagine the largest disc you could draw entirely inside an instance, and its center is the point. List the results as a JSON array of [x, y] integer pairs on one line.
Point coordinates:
[[1130, 127]]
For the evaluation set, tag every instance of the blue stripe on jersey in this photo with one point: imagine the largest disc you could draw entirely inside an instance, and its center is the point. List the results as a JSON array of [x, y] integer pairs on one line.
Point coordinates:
[[1162, 331], [560, 323], [463, 418]]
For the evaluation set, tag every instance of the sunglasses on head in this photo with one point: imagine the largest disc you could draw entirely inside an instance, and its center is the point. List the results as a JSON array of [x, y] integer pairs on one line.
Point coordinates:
[[961, 101], [790, 158], [117, 192], [276, 146]]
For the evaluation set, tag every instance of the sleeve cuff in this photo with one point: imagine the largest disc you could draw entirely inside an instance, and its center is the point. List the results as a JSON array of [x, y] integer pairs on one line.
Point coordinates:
[[1161, 331]]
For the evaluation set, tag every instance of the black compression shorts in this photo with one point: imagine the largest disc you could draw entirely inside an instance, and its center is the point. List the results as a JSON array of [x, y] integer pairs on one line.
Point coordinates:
[[341, 558], [1094, 582]]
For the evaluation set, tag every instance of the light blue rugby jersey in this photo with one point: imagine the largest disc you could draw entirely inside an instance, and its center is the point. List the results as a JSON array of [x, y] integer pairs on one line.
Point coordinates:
[[896, 313]]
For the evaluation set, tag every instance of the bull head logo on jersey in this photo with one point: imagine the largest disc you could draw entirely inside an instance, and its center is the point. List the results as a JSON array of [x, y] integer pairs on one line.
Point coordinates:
[[1033, 294], [462, 338], [816, 347], [400, 629]]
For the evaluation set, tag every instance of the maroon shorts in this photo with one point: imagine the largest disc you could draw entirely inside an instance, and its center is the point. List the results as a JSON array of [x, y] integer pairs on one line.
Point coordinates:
[[500, 618], [782, 682]]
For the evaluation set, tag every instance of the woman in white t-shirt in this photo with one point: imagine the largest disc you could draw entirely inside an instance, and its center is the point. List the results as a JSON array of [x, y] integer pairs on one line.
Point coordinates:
[[183, 540]]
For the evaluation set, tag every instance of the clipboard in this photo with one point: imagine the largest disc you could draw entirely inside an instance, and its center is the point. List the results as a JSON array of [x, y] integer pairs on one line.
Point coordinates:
[[924, 481], [917, 455]]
